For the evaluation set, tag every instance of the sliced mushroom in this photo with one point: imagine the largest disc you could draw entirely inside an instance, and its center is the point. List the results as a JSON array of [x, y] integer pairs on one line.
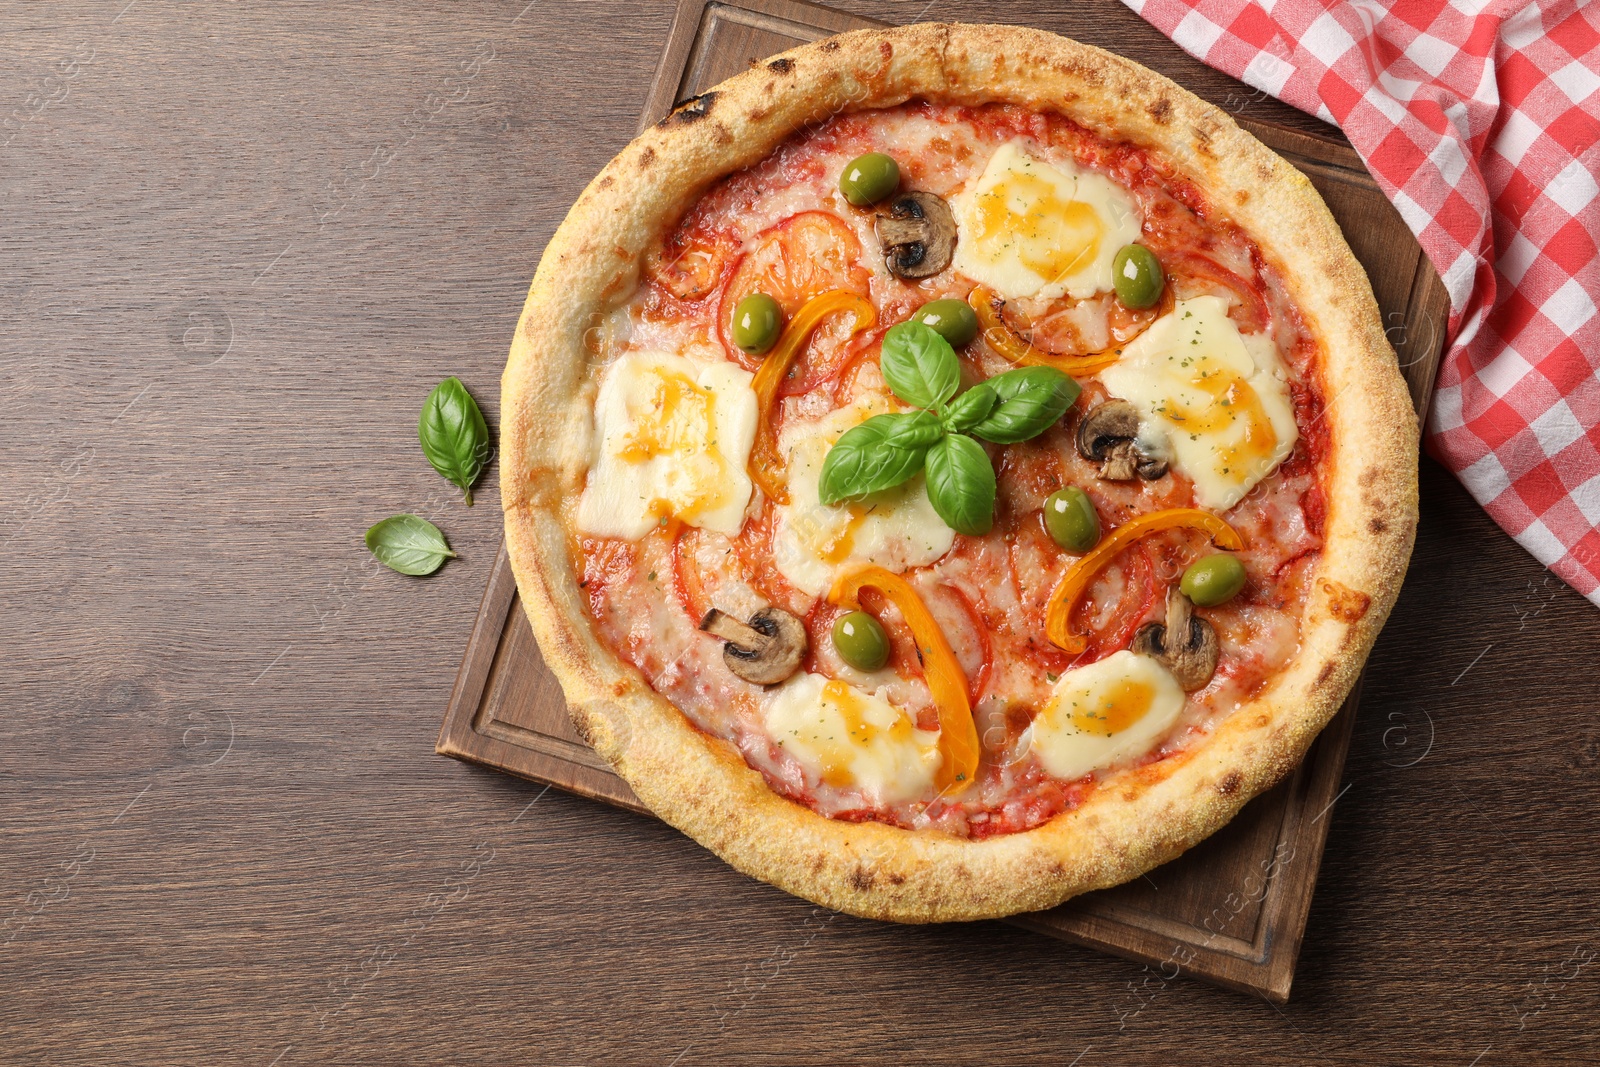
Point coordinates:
[[766, 651], [1109, 435], [918, 235], [1186, 644]]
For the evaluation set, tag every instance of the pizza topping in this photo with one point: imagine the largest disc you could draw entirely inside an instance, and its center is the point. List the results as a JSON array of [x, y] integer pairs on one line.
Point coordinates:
[[868, 179], [757, 321], [1213, 580], [845, 738], [918, 235], [947, 682], [1137, 275], [895, 527], [951, 319], [765, 652], [1185, 644], [1222, 397], [672, 437], [1112, 436], [1074, 583], [766, 465], [1030, 228], [922, 369], [1108, 712], [1071, 519], [999, 336], [861, 642]]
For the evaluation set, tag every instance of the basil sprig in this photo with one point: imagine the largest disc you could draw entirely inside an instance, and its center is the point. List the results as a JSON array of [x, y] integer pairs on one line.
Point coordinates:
[[409, 544], [453, 434], [887, 450]]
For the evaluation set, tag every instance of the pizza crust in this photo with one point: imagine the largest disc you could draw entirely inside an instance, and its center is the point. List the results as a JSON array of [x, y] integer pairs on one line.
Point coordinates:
[[1137, 818]]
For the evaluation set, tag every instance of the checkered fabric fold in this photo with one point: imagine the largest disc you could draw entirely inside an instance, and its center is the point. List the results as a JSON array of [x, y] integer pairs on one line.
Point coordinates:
[[1481, 123]]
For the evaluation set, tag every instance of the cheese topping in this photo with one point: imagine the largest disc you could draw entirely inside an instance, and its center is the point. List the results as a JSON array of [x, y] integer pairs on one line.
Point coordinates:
[[847, 738], [672, 440], [1030, 228], [1107, 712], [1222, 398], [896, 529]]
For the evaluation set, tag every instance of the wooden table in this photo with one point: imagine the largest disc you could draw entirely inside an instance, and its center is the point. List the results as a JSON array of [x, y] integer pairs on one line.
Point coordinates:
[[239, 245]]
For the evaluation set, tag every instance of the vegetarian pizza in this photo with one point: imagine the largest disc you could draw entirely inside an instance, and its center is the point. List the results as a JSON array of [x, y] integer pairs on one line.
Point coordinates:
[[953, 468]]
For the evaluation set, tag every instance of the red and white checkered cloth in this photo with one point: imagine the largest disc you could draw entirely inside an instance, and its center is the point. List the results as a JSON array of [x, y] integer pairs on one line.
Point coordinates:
[[1480, 120]]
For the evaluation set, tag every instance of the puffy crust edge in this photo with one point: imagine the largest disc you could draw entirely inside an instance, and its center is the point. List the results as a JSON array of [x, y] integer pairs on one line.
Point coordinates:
[[1138, 818]]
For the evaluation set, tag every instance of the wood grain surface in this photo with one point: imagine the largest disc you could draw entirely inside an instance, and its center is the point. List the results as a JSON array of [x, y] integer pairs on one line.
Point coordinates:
[[239, 245]]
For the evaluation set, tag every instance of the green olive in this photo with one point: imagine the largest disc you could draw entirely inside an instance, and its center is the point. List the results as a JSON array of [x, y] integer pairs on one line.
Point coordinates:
[[1136, 273], [1213, 580], [861, 641], [869, 178], [1070, 517], [756, 323], [951, 319]]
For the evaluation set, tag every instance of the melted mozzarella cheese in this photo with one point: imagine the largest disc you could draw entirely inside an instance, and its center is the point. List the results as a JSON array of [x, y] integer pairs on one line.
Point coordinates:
[[1221, 398], [1107, 712], [850, 739], [1030, 228], [896, 529], [673, 437]]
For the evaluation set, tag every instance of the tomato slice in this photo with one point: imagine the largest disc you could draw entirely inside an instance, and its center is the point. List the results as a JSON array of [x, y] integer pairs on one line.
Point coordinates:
[[691, 260], [1251, 313], [799, 258]]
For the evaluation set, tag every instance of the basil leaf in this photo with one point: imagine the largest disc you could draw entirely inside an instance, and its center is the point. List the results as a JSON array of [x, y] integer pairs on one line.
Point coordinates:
[[453, 434], [882, 452], [970, 408], [1031, 399], [919, 365], [409, 544], [961, 485]]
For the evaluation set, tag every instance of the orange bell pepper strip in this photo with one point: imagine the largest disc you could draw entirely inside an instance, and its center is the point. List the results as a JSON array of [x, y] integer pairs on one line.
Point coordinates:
[[1070, 589], [958, 734], [766, 466], [1004, 340]]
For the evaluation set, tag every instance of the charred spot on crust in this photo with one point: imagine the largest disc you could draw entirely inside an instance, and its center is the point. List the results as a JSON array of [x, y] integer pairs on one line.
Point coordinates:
[[581, 725], [781, 65], [861, 879], [828, 46], [817, 864], [647, 157], [1369, 477], [897, 879], [1377, 525], [1345, 604], [1230, 785], [1160, 112], [691, 110]]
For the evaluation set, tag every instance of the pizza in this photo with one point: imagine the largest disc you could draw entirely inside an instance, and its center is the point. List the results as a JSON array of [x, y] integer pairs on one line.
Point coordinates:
[[952, 468]]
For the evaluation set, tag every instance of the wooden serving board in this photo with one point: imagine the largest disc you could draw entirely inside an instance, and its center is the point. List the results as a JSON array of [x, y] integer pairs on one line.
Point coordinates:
[[1233, 909]]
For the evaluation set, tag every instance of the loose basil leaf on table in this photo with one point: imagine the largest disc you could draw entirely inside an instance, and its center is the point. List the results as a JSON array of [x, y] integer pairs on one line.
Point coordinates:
[[453, 434], [881, 453], [409, 544], [919, 365], [961, 484], [1031, 399]]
